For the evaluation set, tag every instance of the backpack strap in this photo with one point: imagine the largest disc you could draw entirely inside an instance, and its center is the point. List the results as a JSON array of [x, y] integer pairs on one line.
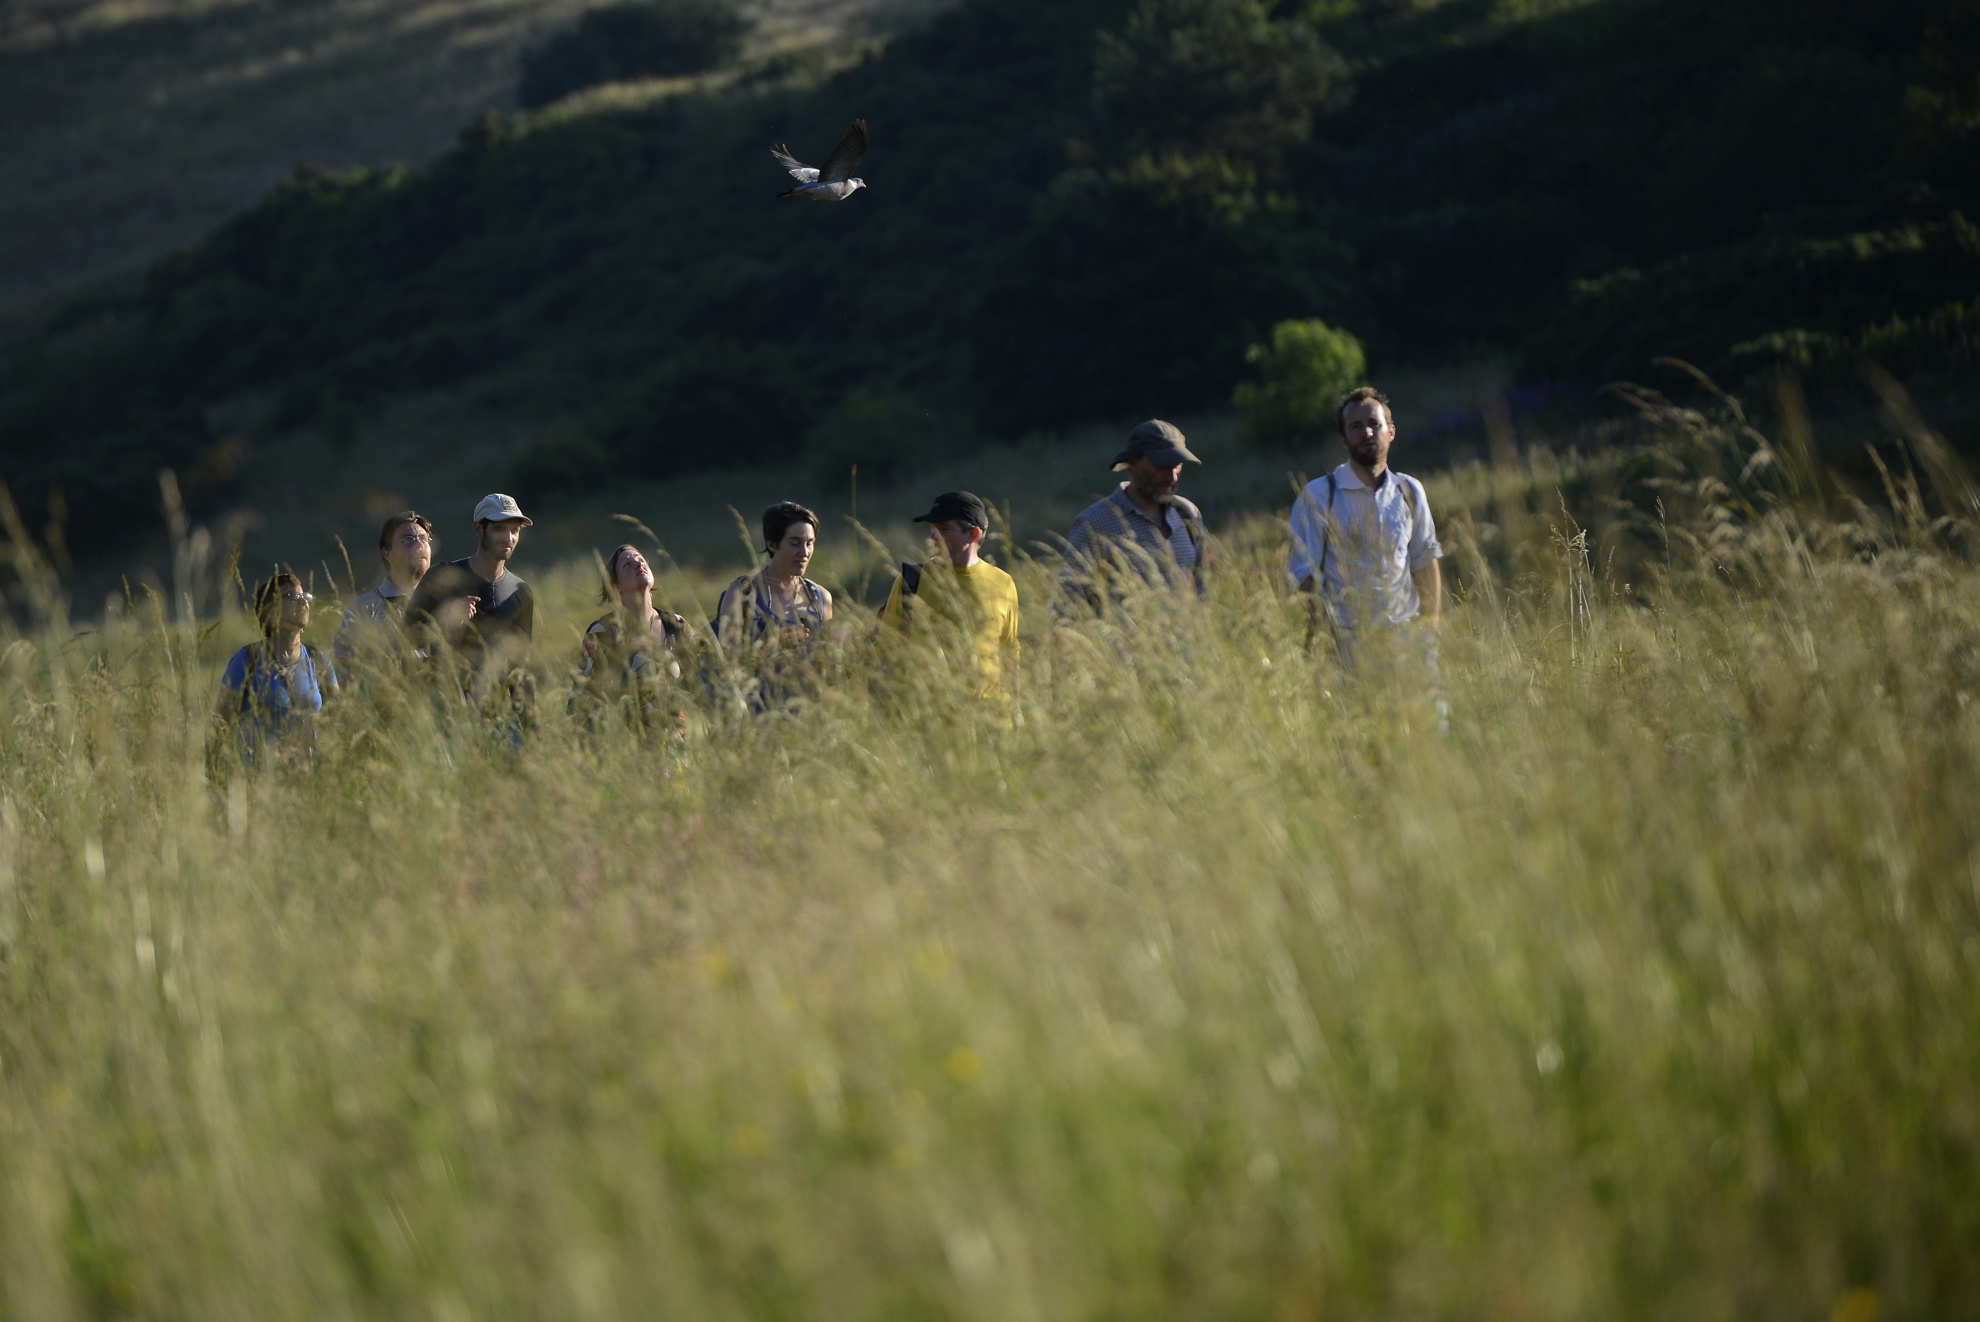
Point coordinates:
[[317, 663], [743, 593], [1192, 522], [1326, 530], [910, 587], [1191, 515]]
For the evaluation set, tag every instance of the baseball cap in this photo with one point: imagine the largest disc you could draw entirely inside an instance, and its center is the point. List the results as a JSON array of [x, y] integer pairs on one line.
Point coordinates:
[[496, 507], [1160, 441], [959, 505]]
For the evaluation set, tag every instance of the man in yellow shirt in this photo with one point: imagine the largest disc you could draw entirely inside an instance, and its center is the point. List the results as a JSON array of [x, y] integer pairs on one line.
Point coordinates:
[[958, 590]]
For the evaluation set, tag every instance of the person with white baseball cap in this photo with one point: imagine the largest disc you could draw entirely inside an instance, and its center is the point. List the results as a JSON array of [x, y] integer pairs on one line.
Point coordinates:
[[477, 605]]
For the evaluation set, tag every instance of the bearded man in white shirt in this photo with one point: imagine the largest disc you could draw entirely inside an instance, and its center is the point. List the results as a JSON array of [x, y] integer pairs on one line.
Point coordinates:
[[1363, 541]]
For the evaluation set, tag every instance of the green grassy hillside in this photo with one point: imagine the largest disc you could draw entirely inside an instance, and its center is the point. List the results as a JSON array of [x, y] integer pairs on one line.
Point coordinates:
[[1063, 227]]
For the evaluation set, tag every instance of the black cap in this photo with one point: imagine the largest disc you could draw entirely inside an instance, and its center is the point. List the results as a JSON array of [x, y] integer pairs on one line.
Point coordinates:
[[961, 506]]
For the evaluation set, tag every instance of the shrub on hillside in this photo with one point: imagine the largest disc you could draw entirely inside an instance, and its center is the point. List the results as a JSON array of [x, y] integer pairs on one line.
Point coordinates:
[[1302, 375], [649, 39]]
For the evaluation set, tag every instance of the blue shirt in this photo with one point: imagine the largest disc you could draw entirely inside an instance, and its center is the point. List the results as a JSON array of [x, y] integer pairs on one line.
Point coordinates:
[[276, 699]]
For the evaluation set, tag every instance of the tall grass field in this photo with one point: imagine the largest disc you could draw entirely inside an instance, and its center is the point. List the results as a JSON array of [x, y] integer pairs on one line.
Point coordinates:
[[1223, 986]]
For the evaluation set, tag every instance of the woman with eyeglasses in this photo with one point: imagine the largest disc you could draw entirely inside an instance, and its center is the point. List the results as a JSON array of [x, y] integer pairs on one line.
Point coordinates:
[[370, 631], [272, 689]]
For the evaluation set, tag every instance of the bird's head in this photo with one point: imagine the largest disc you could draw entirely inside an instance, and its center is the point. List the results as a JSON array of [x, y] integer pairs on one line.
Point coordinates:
[[857, 184]]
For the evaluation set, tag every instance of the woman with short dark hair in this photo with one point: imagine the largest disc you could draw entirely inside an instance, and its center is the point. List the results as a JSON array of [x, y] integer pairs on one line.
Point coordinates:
[[273, 689], [778, 603], [775, 616]]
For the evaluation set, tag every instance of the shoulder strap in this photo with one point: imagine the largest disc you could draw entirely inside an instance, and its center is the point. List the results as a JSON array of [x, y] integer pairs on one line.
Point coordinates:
[[1326, 540], [317, 662], [1192, 520], [910, 578], [743, 593]]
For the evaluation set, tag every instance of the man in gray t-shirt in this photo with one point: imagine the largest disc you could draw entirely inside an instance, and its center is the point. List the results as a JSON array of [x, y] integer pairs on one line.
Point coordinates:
[[477, 606]]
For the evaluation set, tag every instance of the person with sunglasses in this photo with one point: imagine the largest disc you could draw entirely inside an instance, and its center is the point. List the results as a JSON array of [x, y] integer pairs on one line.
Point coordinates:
[[273, 689], [370, 631]]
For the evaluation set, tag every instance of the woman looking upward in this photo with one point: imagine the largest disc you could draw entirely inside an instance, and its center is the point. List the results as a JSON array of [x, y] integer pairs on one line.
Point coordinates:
[[637, 631], [627, 658]]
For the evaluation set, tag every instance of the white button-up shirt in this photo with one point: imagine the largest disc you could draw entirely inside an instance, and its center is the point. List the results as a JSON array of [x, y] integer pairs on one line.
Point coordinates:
[[1363, 545]]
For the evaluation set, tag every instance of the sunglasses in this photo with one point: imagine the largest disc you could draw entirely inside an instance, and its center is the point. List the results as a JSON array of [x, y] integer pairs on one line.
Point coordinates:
[[299, 596]]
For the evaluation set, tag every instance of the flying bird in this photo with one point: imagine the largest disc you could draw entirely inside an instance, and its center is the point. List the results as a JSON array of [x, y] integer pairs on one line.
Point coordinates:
[[833, 183]]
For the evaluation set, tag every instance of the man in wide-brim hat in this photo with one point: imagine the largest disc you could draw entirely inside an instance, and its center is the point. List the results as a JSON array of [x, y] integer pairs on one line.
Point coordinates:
[[1141, 528]]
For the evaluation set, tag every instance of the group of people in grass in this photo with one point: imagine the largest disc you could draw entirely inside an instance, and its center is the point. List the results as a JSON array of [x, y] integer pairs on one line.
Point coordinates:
[[1363, 548]]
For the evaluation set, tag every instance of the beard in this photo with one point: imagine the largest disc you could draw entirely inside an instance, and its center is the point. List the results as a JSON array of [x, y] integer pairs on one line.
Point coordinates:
[[1155, 493]]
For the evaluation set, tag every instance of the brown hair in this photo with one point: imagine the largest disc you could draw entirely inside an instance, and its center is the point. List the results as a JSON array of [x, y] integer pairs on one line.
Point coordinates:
[[1363, 395], [611, 588], [400, 520], [781, 517], [268, 598]]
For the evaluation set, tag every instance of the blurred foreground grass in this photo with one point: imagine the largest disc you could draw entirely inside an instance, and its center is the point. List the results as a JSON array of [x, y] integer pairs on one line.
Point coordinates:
[[1223, 988]]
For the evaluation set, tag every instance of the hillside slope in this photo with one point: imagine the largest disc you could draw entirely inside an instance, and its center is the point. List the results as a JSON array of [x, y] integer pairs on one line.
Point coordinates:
[[129, 128], [1059, 232]]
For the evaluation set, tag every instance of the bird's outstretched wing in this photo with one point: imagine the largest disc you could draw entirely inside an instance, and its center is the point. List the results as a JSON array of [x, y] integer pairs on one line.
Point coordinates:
[[804, 174], [845, 157]]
